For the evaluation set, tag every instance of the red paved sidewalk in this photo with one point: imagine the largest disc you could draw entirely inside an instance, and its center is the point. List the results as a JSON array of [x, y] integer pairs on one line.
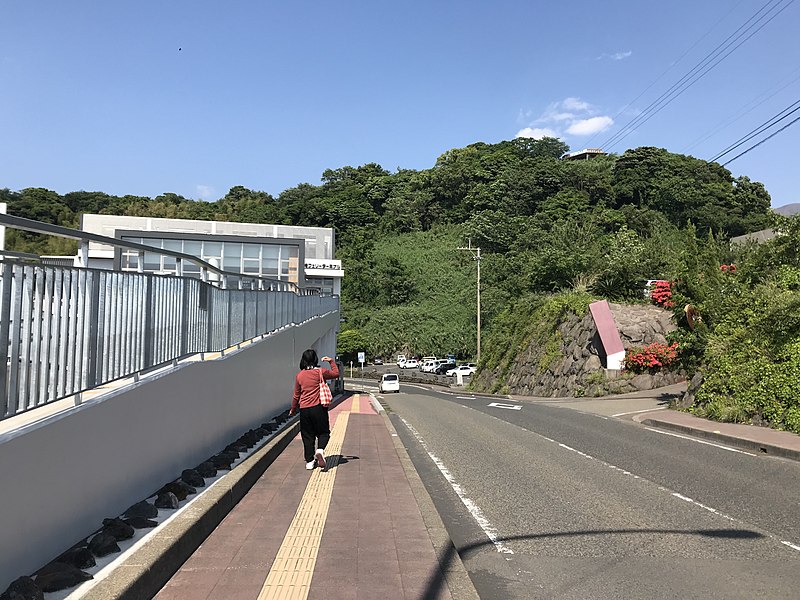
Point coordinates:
[[375, 543]]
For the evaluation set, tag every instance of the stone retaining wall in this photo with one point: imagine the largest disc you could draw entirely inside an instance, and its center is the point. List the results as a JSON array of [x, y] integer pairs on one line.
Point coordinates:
[[576, 367]]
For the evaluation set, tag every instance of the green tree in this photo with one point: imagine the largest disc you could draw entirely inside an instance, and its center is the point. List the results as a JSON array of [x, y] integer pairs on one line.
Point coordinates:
[[349, 343]]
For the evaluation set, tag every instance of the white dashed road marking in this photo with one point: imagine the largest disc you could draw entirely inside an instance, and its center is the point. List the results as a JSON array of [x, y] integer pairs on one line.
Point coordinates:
[[473, 508]]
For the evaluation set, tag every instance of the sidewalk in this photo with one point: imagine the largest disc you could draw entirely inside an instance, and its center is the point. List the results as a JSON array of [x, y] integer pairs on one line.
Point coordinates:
[[761, 440], [363, 528]]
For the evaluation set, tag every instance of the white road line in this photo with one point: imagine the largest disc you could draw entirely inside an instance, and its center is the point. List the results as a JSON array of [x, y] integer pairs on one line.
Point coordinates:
[[701, 505], [419, 387], [506, 406], [634, 412], [691, 439], [473, 508], [792, 546], [466, 397], [634, 476]]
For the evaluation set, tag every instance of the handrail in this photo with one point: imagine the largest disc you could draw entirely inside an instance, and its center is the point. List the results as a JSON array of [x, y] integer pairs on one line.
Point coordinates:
[[24, 224]]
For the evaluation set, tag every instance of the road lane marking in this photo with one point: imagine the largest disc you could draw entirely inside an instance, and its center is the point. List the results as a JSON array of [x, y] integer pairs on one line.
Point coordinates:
[[792, 546], [584, 455], [701, 505], [477, 514], [661, 488], [691, 439], [465, 397], [634, 412], [506, 406]]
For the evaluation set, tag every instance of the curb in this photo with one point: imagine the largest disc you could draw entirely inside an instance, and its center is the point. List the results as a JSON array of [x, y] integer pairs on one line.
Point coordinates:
[[455, 574], [741, 443], [142, 574]]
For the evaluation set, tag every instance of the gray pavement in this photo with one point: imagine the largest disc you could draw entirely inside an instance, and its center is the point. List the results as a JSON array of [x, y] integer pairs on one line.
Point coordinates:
[[651, 408]]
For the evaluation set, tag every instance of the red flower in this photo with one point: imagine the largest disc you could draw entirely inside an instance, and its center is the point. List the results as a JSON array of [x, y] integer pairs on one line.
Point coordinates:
[[650, 358]]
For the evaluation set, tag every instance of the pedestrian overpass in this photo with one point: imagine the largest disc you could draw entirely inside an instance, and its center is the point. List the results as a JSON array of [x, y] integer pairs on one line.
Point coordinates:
[[112, 383]]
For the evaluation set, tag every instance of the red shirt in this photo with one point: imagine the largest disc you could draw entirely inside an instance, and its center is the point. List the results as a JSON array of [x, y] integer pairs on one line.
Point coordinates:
[[306, 386]]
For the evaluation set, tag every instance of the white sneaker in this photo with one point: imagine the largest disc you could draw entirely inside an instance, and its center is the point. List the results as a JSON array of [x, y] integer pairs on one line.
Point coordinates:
[[310, 465], [320, 456]]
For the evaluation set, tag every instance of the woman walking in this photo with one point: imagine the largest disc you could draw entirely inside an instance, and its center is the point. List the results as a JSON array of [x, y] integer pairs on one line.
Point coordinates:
[[314, 426]]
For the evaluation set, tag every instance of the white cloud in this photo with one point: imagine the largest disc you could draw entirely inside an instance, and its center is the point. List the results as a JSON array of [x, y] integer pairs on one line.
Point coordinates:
[[536, 133], [570, 116], [616, 55], [204, 191], [576, 105], [590, 126]]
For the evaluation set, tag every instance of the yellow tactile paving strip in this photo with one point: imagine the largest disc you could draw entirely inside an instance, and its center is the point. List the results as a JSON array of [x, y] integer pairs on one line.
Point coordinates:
[[356, 406], [291, 572]]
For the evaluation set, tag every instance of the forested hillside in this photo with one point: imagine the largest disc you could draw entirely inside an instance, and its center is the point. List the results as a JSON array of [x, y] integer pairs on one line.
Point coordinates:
[[545, 225]]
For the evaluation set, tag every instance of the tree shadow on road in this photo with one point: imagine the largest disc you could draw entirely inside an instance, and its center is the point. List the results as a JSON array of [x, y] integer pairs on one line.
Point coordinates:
[[436, 583]]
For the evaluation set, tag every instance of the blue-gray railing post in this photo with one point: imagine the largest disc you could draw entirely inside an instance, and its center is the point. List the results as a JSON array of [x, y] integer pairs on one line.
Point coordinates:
[[184, 349], [5, 325], [209, 317], [93, 342], [228, 317], [149, 338], [84, 253]]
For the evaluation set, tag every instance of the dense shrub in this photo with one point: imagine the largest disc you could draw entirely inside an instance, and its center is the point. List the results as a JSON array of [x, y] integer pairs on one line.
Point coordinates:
[[651, 358]]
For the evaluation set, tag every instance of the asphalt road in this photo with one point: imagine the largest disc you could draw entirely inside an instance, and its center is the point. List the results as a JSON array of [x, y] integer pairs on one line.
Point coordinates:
[[543, 501]]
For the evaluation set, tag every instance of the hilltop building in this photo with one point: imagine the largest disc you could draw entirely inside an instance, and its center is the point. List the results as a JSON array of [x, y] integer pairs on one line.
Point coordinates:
[[584, 154]]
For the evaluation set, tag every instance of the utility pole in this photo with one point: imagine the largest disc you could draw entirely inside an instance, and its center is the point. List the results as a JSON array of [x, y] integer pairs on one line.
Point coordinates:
[[476, 256]]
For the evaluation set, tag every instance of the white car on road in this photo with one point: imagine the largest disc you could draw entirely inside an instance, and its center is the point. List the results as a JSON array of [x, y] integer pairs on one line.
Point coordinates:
[[390, 382], [465, 370]]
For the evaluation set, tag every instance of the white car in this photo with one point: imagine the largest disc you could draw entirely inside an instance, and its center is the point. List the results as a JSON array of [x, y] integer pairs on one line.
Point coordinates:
[[390, 382], [428, 366], [465, 370], [412, 363]]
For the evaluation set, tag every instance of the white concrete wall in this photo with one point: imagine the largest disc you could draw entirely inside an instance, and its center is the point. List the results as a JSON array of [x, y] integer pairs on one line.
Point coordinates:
[[63, 475]]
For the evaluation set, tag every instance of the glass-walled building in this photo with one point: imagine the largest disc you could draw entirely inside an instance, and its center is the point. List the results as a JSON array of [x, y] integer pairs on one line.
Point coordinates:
[[301, 255]]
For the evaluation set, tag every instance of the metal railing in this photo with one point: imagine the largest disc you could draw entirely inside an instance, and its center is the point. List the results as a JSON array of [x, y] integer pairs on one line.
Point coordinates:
[[64, 330]]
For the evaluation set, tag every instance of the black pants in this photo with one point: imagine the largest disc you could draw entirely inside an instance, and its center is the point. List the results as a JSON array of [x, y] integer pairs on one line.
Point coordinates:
[[315, 429]]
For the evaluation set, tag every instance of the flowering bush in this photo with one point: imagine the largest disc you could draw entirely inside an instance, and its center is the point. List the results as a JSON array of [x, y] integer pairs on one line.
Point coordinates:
[[651, 358], [728, 268], [661, 294]]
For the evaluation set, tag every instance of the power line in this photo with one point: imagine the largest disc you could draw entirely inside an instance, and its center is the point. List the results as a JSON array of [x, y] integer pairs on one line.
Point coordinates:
[[703, 67], [762, 141], [671, 66], [744, 110], [774, 120], [693, 76]]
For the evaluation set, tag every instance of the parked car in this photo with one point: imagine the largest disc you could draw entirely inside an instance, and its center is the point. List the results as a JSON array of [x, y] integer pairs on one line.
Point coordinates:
[[428, 366], [401, 358], [410, 364], [390, 382], [464, 369], [443, 368], [425, 359], [377, 361]]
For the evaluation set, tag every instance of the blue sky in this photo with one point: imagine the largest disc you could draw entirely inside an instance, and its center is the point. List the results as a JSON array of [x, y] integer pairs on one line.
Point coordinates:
[[195, 97]]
